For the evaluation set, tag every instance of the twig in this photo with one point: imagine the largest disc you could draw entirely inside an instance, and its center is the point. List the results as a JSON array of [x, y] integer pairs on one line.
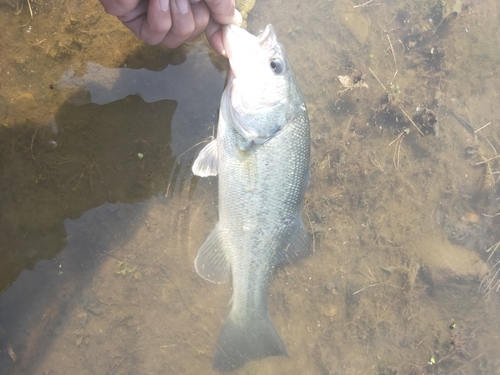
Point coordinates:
[[32, 140], [409, 118], [371, 274], [394, 76], [209, 139], [362, 5], [393, 55], [488, 288], [31, 148], [482, 127], [369, 286], [168, 188], [347, 127], [421, 341], [494, 149], [486, 215], [399, 136], [29, 6], [395, 159], [493, 248], [487, 160], [381, 84]]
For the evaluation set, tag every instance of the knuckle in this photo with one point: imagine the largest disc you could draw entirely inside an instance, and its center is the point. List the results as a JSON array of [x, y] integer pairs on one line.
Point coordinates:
[[183, 31]]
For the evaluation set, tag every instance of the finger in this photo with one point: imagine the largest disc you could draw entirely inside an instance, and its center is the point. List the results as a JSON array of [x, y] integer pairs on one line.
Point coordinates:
[[182, 23], [153, 26], [214, 36], [224, 12], [129, 15], [121, 7], [201, 16]]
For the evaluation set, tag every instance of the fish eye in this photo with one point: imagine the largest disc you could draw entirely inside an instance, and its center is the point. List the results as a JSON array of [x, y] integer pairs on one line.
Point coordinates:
[[277, 66]]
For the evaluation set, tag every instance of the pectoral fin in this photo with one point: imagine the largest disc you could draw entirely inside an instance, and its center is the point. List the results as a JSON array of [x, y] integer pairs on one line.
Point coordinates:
[[206, 164], [211, 262]]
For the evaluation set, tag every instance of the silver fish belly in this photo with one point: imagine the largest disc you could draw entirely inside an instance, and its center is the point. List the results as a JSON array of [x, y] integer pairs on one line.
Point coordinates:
[[261, 155]]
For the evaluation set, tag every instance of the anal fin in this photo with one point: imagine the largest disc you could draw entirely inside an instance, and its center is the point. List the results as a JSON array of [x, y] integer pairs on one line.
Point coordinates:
[[298, 246], [211, 262]]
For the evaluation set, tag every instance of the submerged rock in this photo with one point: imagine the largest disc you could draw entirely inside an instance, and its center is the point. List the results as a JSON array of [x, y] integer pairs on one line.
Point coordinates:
[[447, 262]]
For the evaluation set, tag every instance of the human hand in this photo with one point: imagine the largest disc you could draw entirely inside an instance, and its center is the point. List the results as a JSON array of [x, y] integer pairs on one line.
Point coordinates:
[[173, 22]]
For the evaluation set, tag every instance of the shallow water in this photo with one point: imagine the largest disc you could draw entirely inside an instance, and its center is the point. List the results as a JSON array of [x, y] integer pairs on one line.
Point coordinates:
[[102, 218]]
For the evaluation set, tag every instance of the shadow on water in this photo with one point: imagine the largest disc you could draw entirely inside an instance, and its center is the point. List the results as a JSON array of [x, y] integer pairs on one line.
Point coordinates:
[[85, 183], [118, 152], [102, 145]]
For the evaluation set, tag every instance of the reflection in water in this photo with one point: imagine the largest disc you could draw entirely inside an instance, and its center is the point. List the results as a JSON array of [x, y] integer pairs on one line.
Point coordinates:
[[113, 139], [102, 85], [94, 157], [106, 85]]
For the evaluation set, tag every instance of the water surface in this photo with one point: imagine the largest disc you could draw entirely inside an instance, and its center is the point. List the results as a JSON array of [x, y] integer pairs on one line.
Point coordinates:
[[101, 218]]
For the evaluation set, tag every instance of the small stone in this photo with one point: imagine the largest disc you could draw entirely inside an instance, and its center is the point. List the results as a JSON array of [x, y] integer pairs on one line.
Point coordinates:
[[470, 218], [329, 310], [449, 263], [25, 101]]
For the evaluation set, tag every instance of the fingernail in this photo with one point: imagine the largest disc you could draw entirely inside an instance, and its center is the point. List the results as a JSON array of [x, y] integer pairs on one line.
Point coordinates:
[[164, 5], [183, 6], [194, 1], [237, 18]]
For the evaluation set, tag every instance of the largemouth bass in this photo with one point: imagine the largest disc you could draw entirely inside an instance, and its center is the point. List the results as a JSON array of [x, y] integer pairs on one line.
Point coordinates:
[[261, 155]]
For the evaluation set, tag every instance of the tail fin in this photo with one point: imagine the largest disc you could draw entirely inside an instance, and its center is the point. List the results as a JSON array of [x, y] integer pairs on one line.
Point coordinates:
[[242, 342]]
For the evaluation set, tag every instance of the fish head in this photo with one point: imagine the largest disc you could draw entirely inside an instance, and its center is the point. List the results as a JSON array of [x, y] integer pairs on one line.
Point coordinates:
[[261, 86]]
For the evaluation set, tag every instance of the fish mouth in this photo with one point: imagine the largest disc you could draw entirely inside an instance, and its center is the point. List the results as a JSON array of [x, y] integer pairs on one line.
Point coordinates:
[[247, 95], [229, 36], [241, 48], [237, 39]]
